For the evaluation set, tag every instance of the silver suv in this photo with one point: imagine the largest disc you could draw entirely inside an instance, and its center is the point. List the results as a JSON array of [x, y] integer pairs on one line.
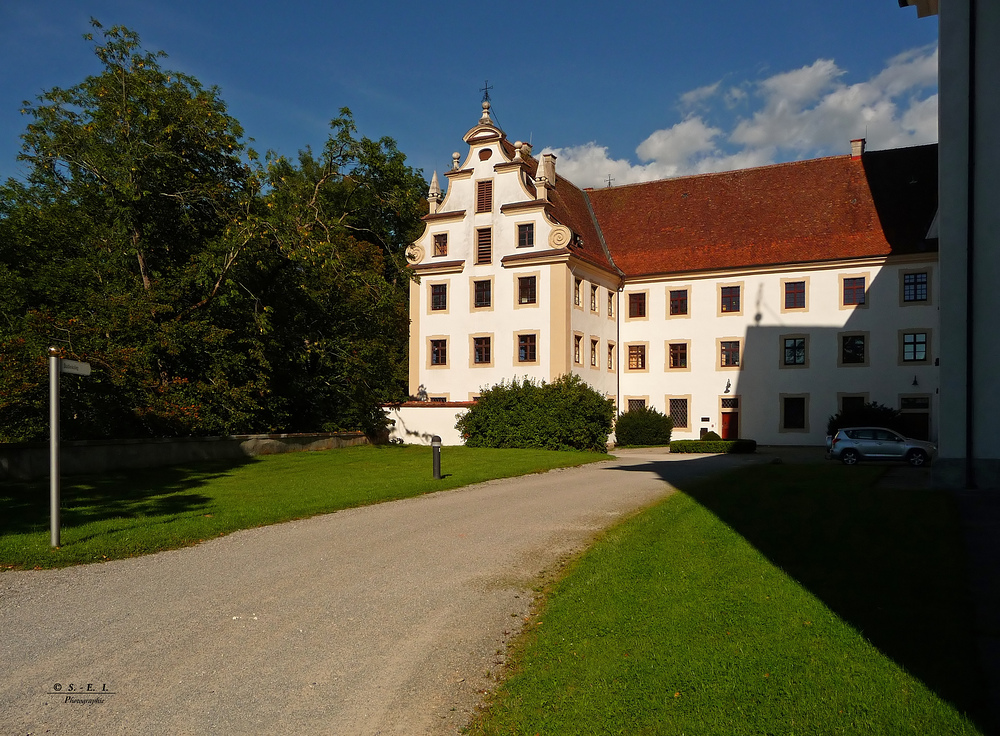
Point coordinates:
[[876, 443]]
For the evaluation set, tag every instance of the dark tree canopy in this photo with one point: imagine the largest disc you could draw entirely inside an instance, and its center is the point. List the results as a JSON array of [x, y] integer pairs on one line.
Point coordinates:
[[211, 293]]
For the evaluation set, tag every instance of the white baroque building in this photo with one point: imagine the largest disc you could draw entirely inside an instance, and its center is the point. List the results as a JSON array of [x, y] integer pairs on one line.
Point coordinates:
[[753, 303]]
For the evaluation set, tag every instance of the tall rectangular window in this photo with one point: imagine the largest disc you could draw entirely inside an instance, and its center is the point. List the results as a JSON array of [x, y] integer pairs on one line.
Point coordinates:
[[636, 305], [439, 297], [484, 196], [483, 294], [730, 299], [636, 357], [439, 352], [793, 412], [484, 245], [795, 295], [678, 302], [526, 349], [679, 412], [611, 356], [611, 303], [576, 292], [678, 355], [577, 340], [481, 349], [914, 346], [441, 244], [593, 353], [854, 291], [795, 351], [915, 287], [729, 353], [525, 235], [526, 290]]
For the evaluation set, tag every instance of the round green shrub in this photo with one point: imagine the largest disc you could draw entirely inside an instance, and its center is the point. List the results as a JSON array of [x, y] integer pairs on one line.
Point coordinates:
[[711, 437], [566, 414], [644, 426]]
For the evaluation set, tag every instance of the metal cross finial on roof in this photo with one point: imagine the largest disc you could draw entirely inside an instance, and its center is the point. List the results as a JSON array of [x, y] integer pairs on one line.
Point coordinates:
[[486, 90], [610, 179]]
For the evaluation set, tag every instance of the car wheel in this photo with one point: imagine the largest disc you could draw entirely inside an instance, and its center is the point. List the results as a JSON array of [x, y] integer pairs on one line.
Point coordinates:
[[917, 458], [849, 457]]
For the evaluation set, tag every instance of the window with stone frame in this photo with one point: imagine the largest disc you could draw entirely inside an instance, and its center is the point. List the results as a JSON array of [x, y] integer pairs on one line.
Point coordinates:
[[636, 404], [795, 295], [483, 294], [852, 349], [793, 412], [678, 355], [795, 351], [611, 356], [481, 350], [914, 346], [915, 287], [854, 291], [593, 298], [576, 292], [441, 244], [527, 290], [678, 302], [679, 412], [439, 297], [577, 341], [730, 299], [484, 245], [526, 349], [637, 305], [439, 352], [729, 353], [611, 303], [526, 235], [593, 353], [636, 357], [484, 196]]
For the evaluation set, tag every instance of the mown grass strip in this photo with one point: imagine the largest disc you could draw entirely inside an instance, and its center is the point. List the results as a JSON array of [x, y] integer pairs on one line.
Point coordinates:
[[774, 600], [139, 512]]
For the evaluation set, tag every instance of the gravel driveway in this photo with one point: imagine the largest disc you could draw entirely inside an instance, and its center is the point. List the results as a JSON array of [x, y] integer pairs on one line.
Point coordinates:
[[390, 619]]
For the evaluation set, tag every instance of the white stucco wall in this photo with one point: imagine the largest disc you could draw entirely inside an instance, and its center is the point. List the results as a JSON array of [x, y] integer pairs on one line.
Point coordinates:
[[416, 425]]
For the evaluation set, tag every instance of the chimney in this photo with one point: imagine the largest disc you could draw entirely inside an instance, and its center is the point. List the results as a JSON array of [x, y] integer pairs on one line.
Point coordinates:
[[545, 176], [857, 148]]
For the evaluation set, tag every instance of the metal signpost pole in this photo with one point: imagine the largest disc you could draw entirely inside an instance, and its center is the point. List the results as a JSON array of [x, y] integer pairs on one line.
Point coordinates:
[[54, 443]]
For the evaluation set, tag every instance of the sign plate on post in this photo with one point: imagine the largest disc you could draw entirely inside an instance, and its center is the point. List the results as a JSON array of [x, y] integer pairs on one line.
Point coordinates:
[[75, 366]]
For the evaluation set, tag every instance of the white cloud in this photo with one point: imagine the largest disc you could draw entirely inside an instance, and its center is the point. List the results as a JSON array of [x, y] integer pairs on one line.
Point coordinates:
[[803, 113]]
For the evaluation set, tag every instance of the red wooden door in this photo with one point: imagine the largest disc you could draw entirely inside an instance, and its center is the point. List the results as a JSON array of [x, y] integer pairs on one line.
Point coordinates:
[[730, 425]]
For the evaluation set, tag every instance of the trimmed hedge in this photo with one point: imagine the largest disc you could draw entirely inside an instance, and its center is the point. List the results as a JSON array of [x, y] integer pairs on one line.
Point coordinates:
[[643, 426], [718, 446], [566, 414]]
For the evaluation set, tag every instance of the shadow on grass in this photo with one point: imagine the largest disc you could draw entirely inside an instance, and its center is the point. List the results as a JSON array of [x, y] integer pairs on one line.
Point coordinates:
[[122, 494], [889, 561]]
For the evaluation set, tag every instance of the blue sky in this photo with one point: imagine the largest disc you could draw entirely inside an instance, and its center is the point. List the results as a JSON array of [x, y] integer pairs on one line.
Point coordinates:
[[636, 91]]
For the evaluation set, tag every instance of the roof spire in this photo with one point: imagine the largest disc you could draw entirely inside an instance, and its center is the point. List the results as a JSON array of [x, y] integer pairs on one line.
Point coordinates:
[[434, 194]]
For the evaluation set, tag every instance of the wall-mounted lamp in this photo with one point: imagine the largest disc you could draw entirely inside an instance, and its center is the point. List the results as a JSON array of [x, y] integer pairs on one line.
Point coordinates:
[[729, 385], [915, 381]]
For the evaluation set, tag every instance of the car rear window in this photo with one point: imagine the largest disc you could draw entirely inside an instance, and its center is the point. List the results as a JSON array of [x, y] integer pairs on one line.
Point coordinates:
[[861, 434]]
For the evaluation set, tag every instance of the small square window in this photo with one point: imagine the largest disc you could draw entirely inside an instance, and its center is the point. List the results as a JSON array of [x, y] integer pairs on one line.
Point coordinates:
[[525, 235], [439, 297], [795, 351], [854, 291], [636, 305], [439, 352], [729, 351], [483, 294], [636, 404], [441, 244], [915, 287], [852, 350], [636, 357], [678, 355], [526, 290], [678, 302], [526, 349], [914, 346], [481, 349], [730, 299], [795, 295]]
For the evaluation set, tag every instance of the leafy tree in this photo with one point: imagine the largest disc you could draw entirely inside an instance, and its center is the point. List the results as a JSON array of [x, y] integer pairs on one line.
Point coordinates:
[[643, 426], [211, 293], [871, 414]]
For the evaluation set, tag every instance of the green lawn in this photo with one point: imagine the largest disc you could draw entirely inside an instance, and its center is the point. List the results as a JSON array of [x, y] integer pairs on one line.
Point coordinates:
[[774, 600], [137, 512]]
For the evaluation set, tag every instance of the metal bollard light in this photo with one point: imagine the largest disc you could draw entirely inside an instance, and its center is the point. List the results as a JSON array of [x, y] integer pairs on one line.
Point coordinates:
[[436, 452]]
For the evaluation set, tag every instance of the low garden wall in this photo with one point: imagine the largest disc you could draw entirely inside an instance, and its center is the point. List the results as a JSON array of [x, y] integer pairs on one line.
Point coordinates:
[[27, 461]]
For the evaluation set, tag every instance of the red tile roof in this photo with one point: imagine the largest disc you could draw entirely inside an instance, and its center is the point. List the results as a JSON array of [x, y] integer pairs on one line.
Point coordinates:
[[817, 210], [569, 207]]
